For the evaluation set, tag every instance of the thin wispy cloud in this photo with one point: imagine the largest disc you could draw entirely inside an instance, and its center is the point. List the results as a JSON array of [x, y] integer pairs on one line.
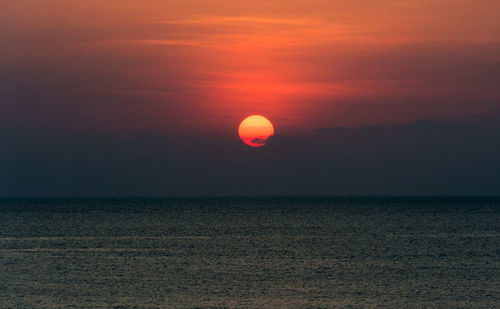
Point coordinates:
[[226, 20]]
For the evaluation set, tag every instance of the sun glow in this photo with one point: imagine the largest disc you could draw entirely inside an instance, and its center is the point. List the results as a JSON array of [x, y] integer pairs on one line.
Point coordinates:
[[256, 130]]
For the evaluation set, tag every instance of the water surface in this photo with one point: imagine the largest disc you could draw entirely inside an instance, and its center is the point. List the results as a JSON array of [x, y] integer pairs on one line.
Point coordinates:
[[250, 252]]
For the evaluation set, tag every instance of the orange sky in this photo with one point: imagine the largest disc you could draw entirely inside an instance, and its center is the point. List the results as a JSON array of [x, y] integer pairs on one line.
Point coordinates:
[[201, 66]]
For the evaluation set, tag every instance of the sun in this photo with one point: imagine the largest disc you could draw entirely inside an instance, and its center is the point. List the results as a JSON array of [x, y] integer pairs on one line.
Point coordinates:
[[256, 130]]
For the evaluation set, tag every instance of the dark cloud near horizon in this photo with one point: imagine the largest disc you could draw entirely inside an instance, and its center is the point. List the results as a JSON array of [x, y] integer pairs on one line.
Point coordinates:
[[421, 158], [420, 125]]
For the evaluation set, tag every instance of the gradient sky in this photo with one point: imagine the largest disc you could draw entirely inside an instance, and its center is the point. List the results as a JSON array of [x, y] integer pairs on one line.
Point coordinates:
[[145, 97]]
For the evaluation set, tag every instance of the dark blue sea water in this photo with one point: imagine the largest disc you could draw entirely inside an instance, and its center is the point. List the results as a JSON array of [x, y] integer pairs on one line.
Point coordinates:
[[250, 252]]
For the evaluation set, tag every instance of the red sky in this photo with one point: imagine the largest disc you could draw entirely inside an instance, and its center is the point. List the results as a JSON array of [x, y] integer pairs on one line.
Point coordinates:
[[202, 66]]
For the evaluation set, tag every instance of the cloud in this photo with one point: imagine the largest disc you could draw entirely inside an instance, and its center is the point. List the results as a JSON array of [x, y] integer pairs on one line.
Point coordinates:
[[228, 20], [420, 125]]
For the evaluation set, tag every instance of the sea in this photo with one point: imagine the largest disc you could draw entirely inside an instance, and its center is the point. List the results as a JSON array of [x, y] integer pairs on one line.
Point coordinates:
[[247, 252]]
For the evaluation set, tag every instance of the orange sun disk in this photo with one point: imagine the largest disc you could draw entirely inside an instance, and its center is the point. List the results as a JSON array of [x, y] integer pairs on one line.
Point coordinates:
[[256, 130]]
